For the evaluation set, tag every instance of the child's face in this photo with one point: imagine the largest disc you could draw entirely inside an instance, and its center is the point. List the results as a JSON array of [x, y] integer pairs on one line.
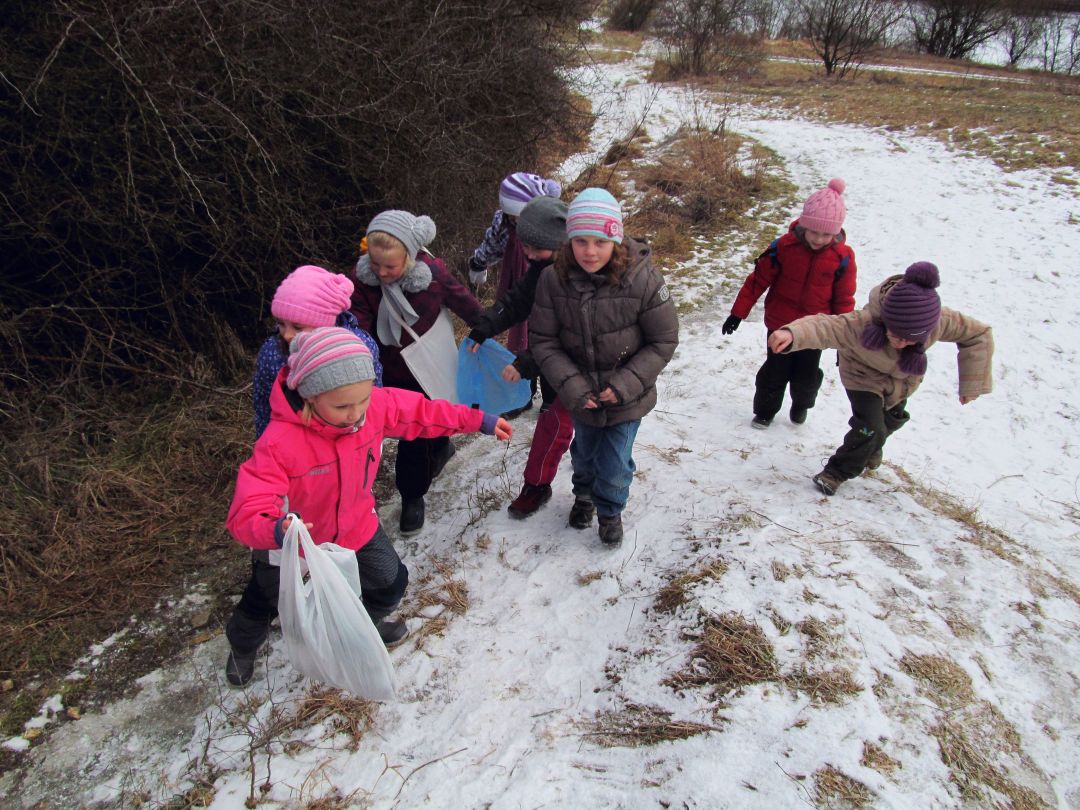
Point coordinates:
[[345, 406], [818, 239], [288, 330], [898, 342], [535, 254], [387, 263], [591, 252]]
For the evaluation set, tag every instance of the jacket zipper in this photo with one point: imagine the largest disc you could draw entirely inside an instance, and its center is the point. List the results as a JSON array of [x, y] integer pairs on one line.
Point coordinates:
[[367, 465]]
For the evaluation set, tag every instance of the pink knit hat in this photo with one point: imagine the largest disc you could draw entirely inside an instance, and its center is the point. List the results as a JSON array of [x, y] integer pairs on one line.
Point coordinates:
[[824, 210], [312, 296], [327, 358]]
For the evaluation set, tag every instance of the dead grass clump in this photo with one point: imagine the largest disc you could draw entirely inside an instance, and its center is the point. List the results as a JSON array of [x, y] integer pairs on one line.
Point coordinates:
[[780, 570], [817, 633], [442, 587], [973, 772], [833, 788], [829, 686], [352, 716], [874, 756], [587, 577], [947, 684], [673, 595], [637, 725], [732, 653]]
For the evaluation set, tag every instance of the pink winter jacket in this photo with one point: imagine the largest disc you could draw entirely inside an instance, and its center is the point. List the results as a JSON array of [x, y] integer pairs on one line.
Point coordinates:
[[325, 473]]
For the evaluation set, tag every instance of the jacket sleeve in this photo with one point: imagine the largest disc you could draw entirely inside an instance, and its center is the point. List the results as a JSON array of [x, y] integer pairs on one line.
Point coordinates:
[[362, 309], [411, 415], [493, 244], [824, 332], [514, 307], [262, 488], [267, 364], [975, 351], [659, 326], [764, 274], [843, 296], [556, 365], [460, 301]]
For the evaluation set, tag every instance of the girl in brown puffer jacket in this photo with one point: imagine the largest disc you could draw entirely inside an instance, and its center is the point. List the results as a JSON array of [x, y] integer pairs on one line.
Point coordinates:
[[602, 328], [882, 361]]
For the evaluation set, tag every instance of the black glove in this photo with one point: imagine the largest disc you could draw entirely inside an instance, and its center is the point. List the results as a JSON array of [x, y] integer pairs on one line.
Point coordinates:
[[731, 324], [476, 336]]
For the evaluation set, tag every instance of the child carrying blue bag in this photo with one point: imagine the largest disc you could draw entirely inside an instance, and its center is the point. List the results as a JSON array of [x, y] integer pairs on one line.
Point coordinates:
[[480, 381]]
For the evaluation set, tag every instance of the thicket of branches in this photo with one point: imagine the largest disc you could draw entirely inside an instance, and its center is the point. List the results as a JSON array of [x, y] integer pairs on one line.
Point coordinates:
[[164, 165]]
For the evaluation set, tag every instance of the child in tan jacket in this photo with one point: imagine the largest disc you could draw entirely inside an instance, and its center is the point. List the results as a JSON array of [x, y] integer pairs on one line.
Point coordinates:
[[882, 361]]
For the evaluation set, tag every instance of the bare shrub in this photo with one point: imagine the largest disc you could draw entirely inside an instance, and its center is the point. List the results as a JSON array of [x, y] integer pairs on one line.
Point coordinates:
[[955, 28], [844, 32], [707, 36]]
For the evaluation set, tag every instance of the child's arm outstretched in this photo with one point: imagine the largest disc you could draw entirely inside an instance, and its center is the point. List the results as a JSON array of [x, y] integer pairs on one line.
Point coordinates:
[[411, 415], [974, 353]]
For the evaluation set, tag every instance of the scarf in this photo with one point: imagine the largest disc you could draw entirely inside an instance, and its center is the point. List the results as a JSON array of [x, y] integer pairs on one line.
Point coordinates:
[[394, 306]]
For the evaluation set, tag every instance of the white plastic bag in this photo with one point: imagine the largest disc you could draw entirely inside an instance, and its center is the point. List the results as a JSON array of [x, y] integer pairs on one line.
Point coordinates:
[[433, 358], [328, 633]]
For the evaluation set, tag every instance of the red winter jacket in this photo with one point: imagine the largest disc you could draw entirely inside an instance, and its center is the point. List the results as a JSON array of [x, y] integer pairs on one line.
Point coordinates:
[[325, 473], [800, 281]]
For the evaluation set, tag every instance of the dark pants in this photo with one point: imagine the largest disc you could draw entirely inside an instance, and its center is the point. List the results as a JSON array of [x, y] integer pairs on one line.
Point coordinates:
[[871, 424], [799, 369], [383, 579], [416, 461]]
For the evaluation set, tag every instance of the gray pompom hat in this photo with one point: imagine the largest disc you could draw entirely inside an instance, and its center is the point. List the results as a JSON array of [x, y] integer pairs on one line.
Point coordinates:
[[412, 231]]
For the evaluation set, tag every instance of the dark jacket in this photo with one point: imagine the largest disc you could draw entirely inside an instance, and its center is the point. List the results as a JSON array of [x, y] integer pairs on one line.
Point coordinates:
[[428, 287], [588, 334], [800, 281], [513, 308]]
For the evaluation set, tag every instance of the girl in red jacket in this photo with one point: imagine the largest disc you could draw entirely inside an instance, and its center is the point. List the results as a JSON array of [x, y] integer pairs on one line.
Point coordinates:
[[318, 459], [810, 270]]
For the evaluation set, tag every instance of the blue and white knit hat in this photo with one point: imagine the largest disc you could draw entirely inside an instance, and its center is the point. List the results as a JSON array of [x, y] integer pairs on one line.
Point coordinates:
[[594, 212], [518, 188]]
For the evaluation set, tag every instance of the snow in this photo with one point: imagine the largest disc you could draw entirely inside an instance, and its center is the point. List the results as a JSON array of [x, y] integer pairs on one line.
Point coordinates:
[[500, 710]]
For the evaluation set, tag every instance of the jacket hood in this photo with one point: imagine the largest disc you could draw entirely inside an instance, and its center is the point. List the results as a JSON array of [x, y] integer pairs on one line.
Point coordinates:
[[877, 296]]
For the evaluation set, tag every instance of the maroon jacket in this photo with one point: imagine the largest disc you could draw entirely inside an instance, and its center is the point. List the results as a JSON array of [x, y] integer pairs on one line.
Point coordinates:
[[800, 281], [428, 287]]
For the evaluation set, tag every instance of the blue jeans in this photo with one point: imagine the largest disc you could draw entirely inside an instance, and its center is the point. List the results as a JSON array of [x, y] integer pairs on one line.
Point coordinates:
[[604, 464]]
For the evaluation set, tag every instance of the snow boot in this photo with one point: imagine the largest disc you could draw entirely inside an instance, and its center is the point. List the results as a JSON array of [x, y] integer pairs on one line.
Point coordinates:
[[530, 499], [581, 513], [827, 482], [875, 460], [240, 667], [760, 422], [516, 412], [798, 415], [611, 530], [392, 631], [412, 515]]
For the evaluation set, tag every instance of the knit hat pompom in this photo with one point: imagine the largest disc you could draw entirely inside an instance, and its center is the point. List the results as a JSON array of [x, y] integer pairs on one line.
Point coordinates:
[[412, 231], [518, 188], [824, 210], [312, 296], [925, 274], [327, 358], [912, 308]]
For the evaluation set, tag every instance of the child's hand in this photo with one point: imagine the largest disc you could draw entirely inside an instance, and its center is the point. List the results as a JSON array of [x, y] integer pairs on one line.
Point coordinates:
[[780, 340], [503, 430], [511, 374], [591, 404], [285, 524], [609, 397], [474, 348]]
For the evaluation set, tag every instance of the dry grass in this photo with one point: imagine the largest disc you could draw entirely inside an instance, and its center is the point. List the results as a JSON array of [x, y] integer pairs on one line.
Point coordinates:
[[828, 686], [636, 725], [674, 594], [945, 682], [818, 635], [351, 716], [973, 772], [1019, 124], [733, 653], [441, 587], [835, 789], [874, 756]]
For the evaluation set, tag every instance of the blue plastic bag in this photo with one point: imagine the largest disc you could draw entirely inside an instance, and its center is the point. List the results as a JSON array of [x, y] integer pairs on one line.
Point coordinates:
[[480, 382]]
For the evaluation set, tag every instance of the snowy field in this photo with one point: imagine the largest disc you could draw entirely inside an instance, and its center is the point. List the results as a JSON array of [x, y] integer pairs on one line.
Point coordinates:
[[961, 550]]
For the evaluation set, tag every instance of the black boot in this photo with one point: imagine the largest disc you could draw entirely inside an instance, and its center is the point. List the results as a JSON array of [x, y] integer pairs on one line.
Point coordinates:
[[611, 530], [412, 515], [392, 631], [240, 667], [581, 513]]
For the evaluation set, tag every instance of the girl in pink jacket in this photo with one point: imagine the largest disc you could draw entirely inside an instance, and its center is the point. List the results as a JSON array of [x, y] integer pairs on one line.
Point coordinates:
[[318, 459]]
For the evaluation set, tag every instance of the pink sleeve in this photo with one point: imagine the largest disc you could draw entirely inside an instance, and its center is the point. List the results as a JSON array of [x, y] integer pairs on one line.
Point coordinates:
[[411, 415], [261, 489]]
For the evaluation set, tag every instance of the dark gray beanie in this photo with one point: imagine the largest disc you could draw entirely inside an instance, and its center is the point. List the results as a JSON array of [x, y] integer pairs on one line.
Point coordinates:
[[542, 223]]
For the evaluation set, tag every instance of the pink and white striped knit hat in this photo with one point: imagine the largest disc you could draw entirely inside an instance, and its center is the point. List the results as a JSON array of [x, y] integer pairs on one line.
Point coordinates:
[[327, 358], [518, 188], [594, 212]]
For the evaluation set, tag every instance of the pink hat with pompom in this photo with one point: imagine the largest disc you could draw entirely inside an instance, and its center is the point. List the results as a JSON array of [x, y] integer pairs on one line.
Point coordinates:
[[824, 210], [312, 296]]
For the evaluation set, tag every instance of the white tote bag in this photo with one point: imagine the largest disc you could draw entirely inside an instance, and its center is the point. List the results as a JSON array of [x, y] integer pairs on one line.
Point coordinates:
[[433, 357], [328, 633]]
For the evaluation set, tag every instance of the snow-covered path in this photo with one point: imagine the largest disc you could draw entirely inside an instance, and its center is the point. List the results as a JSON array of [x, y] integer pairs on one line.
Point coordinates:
[[499, 711]]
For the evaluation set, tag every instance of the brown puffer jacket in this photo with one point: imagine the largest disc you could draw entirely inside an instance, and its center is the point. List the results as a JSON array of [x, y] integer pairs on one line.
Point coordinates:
[[588, 334], [875, 371]]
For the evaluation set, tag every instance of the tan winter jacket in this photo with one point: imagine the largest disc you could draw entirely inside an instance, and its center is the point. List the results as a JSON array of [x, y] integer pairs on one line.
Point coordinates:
[[876, 371], [587, 334]]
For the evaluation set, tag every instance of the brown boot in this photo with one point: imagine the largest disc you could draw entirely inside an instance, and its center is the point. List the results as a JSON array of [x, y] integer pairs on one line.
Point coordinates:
[[530, 499], [874, 461], [827, 482]]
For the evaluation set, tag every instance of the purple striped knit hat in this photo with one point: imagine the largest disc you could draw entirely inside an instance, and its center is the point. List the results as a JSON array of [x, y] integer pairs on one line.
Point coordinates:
[[594, 212], [327, 358], [518, 188]]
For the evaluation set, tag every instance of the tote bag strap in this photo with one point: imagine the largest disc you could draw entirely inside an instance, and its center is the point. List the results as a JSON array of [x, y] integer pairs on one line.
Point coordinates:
[[400, 320]]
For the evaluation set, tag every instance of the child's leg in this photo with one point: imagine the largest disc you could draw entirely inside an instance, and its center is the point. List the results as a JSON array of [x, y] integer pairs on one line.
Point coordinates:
[[806, 377], [770, 384], [383, 576], [250, 621], [895, 418], [583, 457], [416, 460], [554, 430], [613, 467], [867, 435]]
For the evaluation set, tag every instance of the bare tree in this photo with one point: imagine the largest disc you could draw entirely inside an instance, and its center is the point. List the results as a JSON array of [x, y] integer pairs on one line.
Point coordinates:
[[706, 35], [1020, 35], [954, 28], [1061, 45], [630, 15], [843, 32]]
